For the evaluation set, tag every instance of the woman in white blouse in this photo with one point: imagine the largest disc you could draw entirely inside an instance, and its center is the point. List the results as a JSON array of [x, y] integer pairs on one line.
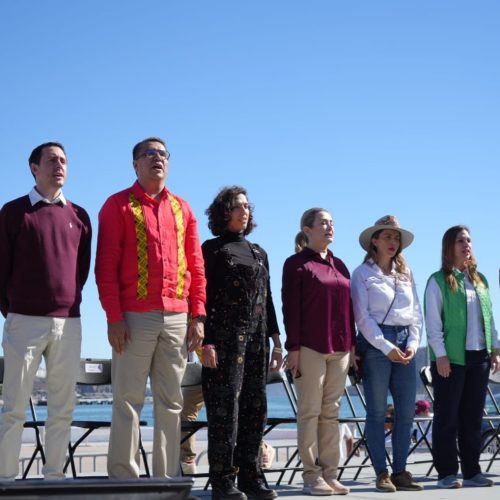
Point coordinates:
[[463, 344], [389, 321]]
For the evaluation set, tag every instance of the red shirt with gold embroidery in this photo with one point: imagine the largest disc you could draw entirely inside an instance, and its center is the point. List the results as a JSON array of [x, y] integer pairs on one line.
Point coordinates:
[[169, 265]]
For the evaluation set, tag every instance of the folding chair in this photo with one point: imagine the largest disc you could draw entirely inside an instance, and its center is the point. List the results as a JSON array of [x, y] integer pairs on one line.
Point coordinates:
[[192, 378], [490, 437], [272, 422], [96, 372], [273, 378], [360, 422], [34, 424], [426, 378]]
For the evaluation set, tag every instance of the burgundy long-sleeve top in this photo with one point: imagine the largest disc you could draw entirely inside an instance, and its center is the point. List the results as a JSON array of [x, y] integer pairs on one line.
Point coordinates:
[[44, 257], [317, 307]]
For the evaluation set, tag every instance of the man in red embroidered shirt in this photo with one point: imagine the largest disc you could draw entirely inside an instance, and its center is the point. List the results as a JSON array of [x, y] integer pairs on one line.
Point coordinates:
[[150, 275]]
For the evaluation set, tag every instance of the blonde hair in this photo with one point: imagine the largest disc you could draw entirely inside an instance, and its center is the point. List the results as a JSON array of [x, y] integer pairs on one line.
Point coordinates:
[[307, 220], [399, 261], [448, 259]]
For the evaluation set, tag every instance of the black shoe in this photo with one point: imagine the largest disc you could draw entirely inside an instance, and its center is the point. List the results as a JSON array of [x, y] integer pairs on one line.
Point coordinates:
[[258, 490], [226, 490]]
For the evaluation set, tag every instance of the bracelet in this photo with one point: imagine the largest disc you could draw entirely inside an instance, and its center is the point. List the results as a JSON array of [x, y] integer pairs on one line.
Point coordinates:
[[279, 350], [208, 347]]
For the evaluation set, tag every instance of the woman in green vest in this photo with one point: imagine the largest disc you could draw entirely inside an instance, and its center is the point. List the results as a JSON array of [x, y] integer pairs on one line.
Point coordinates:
[[463, 345]]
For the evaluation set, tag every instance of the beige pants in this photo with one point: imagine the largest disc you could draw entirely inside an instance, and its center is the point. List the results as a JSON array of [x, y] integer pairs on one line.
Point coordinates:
[[193, 403], [320, 388], [25, 340], [157, 348]]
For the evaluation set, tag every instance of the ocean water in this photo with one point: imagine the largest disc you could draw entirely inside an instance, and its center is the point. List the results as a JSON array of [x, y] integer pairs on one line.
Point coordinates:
[[278, 406]]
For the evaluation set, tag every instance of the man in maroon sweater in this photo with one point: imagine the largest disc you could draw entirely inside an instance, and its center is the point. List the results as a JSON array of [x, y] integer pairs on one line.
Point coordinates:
[[44, 263]]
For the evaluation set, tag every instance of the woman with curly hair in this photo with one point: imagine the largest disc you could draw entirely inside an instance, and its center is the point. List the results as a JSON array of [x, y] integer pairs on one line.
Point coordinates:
[[463, 345], [240, 318], [389, 321]]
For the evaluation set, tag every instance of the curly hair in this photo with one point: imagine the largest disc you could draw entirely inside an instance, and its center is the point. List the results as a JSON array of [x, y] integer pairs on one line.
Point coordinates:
[[219, 211]]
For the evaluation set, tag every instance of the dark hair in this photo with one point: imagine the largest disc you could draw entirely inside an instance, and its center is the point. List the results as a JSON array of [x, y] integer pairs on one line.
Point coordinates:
[[138, 147], [448, 258], [219, 211], [36, 154]]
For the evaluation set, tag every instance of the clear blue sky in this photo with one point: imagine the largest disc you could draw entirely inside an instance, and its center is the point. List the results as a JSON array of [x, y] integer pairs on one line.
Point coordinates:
[[364, 107]]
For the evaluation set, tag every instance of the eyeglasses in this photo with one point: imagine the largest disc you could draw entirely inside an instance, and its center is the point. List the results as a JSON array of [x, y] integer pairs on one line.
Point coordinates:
[[151, 153]]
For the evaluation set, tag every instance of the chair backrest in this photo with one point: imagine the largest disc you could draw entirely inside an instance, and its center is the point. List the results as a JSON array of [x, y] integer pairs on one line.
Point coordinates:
[[192, 375], [94, 372], [357, 386], [291, 391], [492, 406], [426, 377], [494, 378], [274, 377]]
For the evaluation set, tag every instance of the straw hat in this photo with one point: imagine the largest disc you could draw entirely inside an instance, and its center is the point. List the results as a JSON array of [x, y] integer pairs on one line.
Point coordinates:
[[386, 222]]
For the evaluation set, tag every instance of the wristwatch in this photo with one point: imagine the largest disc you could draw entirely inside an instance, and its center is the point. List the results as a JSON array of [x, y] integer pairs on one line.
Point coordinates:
[[201, 318]]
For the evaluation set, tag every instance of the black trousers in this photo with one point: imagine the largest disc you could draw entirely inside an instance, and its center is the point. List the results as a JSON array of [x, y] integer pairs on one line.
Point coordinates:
[[235, 399], [458, 412]]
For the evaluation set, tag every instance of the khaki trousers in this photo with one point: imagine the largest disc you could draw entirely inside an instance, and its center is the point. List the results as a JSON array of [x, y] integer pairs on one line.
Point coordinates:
[[157, 348], [319, 389], [193, 403], [25, 340]]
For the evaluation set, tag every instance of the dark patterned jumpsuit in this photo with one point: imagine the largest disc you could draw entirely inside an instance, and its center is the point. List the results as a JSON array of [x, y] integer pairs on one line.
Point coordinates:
[[239, 310]]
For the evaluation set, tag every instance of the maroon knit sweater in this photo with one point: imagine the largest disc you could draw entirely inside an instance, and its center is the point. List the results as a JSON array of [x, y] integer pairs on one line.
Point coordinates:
[[44, 258]]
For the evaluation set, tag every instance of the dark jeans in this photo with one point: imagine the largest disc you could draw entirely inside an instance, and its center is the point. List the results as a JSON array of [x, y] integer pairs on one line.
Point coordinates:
[[381, 375], [458, 412]]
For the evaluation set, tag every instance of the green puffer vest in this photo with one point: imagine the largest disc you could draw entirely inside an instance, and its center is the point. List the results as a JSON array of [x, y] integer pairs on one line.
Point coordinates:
[[454, 316]]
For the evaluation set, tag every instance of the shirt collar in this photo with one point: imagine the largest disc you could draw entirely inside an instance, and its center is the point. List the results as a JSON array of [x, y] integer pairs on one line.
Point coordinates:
[[313, 253], [36, 197], [139, 192], [464, 273], [371, 262]]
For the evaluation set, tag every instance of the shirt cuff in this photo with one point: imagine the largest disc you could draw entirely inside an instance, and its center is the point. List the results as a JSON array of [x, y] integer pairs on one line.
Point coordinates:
[[440, 351]]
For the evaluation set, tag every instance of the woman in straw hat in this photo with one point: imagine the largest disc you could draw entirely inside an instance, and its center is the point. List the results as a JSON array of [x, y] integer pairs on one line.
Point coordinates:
[[319, 325], [463, 345], [389, 321]]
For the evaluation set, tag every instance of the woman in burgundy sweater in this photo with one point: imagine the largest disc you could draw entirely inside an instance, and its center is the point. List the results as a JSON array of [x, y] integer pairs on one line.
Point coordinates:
[[319, 325]]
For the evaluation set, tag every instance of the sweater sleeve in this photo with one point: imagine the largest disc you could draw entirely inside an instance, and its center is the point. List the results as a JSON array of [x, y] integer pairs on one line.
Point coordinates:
[[6, 249], [108, 258], [291, 299], [272, 322], [84, 248], [343, 268], [209, 257]]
